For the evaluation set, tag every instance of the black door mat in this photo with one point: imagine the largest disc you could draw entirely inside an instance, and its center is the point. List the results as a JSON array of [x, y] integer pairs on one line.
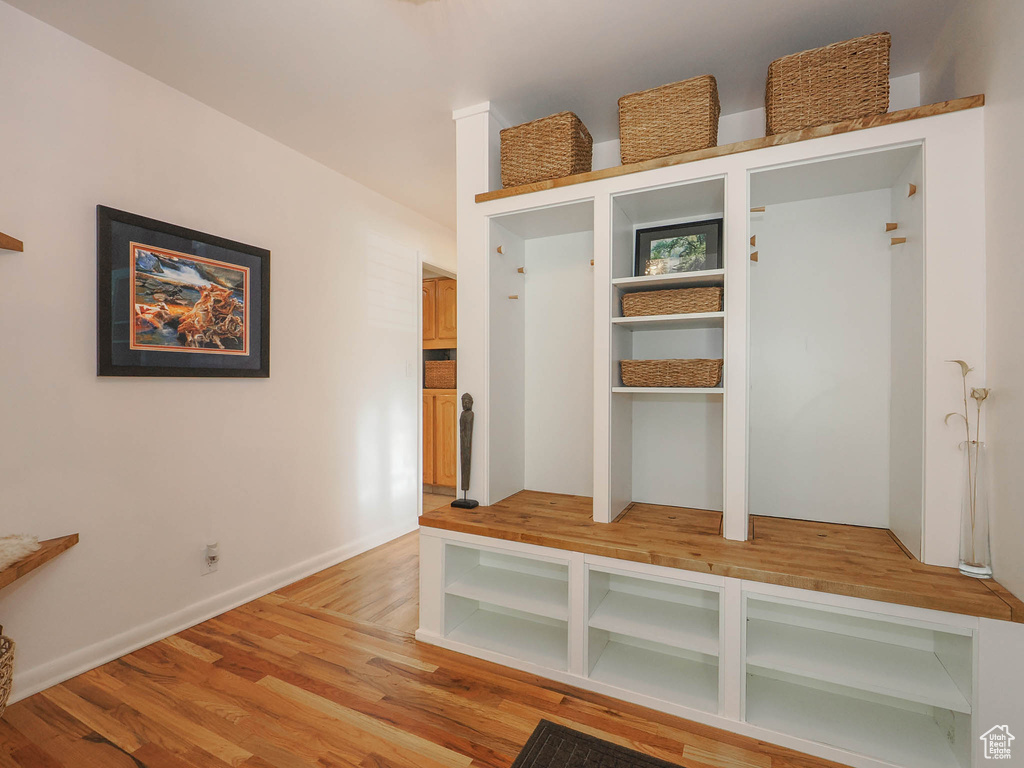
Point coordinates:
[[555, 746]]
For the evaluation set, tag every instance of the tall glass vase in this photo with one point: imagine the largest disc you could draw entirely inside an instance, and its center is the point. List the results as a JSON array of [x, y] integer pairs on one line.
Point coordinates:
[[975, 552]]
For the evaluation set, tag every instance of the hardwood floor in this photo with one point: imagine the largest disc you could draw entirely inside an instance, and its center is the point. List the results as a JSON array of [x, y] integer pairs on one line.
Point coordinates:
[[325, 673]]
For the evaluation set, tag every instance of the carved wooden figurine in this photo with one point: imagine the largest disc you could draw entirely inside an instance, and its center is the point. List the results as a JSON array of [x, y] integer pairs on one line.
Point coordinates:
[[466, 446]]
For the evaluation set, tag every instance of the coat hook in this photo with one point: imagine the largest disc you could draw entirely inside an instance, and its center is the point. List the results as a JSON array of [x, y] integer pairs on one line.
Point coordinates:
[[514, 296], [911, 190], [591, 262], [521, 270], [759, 209], [890, 226], [499, 250], [899, 240], [753, 239], [753, 256]]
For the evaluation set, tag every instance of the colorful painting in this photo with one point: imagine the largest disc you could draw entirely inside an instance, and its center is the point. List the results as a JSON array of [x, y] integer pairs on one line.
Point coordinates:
[[187, 304], [173, 301]]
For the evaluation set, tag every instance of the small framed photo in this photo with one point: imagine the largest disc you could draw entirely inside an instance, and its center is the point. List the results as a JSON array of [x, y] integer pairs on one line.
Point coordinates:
[[175, 302], [692, 247]]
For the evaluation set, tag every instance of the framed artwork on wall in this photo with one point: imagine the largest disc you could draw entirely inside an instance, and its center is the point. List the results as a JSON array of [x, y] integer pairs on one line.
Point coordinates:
[[691, 247], [175, 302]]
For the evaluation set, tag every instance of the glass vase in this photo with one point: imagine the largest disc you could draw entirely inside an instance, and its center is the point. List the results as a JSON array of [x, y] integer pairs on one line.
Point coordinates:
[[975, 552]]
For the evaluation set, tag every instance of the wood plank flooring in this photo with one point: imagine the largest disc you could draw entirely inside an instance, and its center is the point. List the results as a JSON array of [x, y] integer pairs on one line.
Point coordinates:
[[326, 673], [840, 559]]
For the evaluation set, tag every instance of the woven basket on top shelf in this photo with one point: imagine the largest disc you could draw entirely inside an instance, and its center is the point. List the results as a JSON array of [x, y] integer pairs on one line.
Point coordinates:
[[671, 373], [6, 669], [439, 374], [681, 301], [842, 81], [549, 148], [668, 120]]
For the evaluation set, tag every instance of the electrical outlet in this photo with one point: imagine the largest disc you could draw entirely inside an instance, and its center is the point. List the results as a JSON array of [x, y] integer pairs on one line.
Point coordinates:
[[211, 559]]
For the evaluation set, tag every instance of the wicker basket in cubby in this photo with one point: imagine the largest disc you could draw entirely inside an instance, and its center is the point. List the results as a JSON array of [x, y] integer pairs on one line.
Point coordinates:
[[678, 301], [549, 148], [842, 81], [6, 669], [439, 374], [668, 120], [671, 373]]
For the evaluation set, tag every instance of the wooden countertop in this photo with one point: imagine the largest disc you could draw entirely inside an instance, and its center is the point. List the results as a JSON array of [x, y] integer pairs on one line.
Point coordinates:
[[832, 129], [824, 557], [48, 550]]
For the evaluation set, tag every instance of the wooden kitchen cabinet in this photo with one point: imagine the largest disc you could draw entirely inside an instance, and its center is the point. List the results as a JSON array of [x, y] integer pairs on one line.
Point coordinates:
[[440, 436], [440, 313]]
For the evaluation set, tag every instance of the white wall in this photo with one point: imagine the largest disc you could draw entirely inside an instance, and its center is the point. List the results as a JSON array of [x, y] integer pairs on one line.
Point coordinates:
[[819, 361], [290, 474], [980, 52], [559, 401]]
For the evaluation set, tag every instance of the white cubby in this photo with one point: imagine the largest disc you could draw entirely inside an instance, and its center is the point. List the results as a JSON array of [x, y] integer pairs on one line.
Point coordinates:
[[836, 342], [541, 351], [655, 637], [860, 682], [513, 605], [667, 441]]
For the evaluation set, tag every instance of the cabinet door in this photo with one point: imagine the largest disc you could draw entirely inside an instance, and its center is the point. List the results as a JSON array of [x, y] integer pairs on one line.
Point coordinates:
[[446, 430], [428, 439], [447, 310], [429, 310]]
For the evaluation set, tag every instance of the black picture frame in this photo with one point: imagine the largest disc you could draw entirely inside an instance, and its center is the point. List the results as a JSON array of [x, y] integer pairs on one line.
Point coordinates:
[[172, 265], [645, 238]]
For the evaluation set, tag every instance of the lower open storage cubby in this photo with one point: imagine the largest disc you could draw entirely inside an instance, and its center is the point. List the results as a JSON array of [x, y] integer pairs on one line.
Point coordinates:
[[508, 604], [897, 691], [655, 637]]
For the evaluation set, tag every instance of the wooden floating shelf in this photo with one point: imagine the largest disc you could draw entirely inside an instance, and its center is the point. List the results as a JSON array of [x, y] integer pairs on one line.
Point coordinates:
[[847, 126], [701, 279], [665, 322], [48, 550], [8, 243], [669, 390]]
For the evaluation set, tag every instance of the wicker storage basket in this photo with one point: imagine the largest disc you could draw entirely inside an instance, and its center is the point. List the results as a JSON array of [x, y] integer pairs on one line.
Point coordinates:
[[440, 374], [671, 373], [549, 148], [842, 81], [6, 669], [679, 117], [682, 301]]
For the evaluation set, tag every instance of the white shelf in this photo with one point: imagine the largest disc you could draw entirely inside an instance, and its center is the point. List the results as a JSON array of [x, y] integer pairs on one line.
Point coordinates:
[[532, 641], [525, 592], [676, 280], [866, 665], [660, 621], [669, 390], [667, 322], [894, 735], [660, 675]]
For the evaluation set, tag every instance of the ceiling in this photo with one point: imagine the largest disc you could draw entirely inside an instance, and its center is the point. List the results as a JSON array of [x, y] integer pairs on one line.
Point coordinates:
[[367, 87]]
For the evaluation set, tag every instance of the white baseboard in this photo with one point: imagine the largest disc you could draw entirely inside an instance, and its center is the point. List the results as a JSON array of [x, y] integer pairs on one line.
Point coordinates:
[[43, 676]]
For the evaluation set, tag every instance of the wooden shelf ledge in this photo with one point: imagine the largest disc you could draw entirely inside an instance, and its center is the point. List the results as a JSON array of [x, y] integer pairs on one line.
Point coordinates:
[[822, 557], [8, 243], [48, 550], [833, 129]]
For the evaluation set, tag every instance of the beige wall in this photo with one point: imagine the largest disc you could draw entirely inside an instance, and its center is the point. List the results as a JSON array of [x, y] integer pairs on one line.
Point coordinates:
[[980, 51], [289, 474]]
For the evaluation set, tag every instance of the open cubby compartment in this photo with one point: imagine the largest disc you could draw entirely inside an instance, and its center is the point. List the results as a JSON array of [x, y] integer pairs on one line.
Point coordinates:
[[896, 690], [836, 341], [656, 637], [509, 604], [541, 353]]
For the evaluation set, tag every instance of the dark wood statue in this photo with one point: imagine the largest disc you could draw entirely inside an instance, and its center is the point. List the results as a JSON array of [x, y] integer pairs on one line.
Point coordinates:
[[466, 445]]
